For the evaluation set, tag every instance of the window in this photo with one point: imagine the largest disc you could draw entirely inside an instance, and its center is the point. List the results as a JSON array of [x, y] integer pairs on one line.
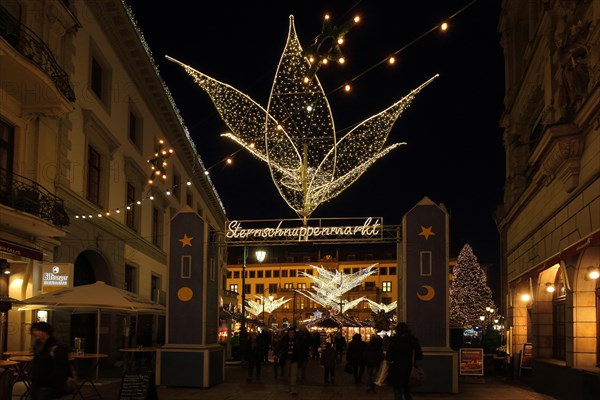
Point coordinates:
[[260, 288], [292, 273], [177, 186], [347, 271], [100, 76], [189, 198], [154, 288], [156, 227], [284, 273], [309, 272], [236, 274], [300, 302], [267, 273], [559, 318], [301, 285], [7, 137], [272, 288], [288, 285], [392, 270], [383, 271], [248, 288], [386, 286], [229, 275], [135, 130], [233, 288], [276, 274], [130, 211], [259, 273], [93, 176], [96, 81], [370, 285], [130, 275], [252, 274]]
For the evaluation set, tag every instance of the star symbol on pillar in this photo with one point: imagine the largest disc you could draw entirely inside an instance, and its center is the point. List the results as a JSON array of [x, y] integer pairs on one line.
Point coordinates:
[[426, 232], [186, 240]]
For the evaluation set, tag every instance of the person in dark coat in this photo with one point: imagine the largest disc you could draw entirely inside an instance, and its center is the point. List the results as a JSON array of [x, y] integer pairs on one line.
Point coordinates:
[[340, 345], [267, 339], [255, 351], [355, 356], [328, 360], [404, 349], [50, 366], [373, 358], [290, 351]]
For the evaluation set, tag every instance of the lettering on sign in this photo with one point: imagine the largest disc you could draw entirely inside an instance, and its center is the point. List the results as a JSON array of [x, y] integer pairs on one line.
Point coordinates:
[[295, 230]]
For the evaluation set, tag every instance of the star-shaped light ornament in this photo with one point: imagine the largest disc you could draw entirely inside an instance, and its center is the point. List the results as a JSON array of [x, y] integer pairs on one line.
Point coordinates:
[[296, 135], [158, 164], [326, 46]]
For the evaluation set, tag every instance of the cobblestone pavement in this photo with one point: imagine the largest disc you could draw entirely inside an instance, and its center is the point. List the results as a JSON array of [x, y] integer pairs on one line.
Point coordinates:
[[236, 386]]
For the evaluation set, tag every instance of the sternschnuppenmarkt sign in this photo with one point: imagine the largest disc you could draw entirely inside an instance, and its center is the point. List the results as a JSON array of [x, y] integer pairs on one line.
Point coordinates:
[[295, 230]]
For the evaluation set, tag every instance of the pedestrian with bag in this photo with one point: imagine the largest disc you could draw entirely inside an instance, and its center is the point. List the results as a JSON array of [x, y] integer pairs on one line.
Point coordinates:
[[50, 366], [404, 349]]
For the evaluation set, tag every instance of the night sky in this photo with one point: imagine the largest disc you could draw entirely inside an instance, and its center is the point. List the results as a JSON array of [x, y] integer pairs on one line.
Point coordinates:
[[454, 154]]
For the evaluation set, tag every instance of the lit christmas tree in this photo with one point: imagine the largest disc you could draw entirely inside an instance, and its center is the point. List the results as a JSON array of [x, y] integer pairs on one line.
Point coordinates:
[[470, 296]]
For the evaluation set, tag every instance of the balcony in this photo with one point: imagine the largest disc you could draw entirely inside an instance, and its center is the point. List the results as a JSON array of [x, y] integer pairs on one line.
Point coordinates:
[[25, 195], [30, 73]]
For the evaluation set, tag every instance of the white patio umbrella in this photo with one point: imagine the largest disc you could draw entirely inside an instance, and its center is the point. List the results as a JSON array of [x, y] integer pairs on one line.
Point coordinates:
[[97, 297]]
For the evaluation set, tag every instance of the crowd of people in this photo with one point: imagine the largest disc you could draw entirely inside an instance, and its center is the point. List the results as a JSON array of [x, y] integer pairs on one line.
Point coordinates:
[[289, 351]]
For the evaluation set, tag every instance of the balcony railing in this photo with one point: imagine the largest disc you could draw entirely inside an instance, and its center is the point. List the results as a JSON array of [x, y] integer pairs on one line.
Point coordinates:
[[26, 195], [31, 46]]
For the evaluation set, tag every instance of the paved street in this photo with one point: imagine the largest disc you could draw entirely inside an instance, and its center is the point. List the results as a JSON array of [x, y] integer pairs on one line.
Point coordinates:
[[237, 387]]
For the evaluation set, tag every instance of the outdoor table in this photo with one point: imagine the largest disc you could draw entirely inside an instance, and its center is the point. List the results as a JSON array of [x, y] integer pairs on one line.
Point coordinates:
[[85, 373], [147, 358], [7, 368], [22, 367], [18, 353]]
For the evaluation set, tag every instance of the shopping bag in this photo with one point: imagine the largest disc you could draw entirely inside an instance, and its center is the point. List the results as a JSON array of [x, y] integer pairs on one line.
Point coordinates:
[[348, 368], [417, 377], [382, 373]]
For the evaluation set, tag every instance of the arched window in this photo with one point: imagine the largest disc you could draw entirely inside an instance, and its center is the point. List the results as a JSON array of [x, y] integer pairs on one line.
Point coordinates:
[[558, 317]]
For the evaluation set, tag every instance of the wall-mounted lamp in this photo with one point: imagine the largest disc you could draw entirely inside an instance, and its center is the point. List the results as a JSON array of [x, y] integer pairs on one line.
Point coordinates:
[[550, 287], [593, 272], [4, 266], [525, 297]]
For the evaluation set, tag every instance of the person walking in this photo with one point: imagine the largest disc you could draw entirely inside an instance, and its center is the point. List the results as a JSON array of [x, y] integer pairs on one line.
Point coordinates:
[[328, 360], [254, 354], [373, 358], [50, 366], [278, 362], [340, 345], [289, 351], [355, 356], [305, 338], [267, 339], [403, 349]]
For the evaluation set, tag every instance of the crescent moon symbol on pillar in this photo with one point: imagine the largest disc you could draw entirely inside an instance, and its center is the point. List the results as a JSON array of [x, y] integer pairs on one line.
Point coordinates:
[[429, 294]]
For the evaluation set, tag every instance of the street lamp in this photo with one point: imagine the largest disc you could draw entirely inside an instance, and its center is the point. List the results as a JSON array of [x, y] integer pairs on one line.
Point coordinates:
[[260, 257]]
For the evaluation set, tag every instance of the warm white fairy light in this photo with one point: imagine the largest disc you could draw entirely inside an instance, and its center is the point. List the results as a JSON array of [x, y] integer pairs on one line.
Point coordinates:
[[328, 287], [309, 164], [256, 308], [379, 307], [444, 26]]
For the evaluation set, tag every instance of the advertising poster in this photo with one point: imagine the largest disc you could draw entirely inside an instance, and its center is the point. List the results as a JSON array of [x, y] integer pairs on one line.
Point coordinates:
[[471, 362]]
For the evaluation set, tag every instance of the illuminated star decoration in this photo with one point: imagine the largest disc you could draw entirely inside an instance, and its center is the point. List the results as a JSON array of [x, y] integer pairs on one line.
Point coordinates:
[[186, 240], [158, 164], [426, 232], [326, 46], [296, 134], [381, 307]]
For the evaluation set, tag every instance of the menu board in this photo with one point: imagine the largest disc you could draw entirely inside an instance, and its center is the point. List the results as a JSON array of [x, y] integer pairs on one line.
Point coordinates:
[[137, 386], [526, 356], [471, 361]]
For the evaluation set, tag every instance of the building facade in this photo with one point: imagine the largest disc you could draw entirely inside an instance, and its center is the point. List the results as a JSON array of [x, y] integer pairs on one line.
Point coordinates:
[[550, 220], [282, 276], [84, 116]]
